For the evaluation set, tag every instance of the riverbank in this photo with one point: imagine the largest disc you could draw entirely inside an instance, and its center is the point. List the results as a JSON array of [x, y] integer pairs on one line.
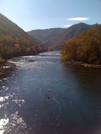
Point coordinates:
[[7, 65], [91, 65], [6, 68], [72, 62]]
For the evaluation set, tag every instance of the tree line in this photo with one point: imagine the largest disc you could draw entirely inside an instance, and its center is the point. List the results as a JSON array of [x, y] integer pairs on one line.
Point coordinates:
[[16, 42], [85, 47]]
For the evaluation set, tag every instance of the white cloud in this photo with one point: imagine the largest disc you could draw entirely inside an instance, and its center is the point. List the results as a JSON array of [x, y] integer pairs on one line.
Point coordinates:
[[68, 25], [78, 19]]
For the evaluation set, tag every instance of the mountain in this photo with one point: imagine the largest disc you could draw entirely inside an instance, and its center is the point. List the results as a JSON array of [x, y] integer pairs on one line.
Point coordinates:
[[86, 47], [43, 35], [56, 37], [16, 42]]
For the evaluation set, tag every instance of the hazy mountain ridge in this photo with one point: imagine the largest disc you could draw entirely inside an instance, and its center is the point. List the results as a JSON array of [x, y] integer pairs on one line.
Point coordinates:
[[44, 35], [16, 42], [56, 37]]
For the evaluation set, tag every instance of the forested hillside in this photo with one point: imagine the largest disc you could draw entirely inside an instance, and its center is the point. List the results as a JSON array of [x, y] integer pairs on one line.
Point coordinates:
[[15, 42], [56, 37], [44, 35], [86, 47]]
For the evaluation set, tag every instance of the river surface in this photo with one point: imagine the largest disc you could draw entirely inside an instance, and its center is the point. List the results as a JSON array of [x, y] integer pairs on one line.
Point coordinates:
[[41, 95]]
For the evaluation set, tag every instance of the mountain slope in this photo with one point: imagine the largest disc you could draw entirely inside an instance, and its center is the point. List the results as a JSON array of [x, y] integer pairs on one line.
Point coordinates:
[[16, 42], [86, 47], [44, 35], [56, 37]]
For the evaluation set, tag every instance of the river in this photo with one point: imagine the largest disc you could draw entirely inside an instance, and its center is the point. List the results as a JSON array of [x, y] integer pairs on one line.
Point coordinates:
[[41, 95]]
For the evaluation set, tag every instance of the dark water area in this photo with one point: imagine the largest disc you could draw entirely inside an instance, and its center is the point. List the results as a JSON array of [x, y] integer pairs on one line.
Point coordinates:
[[41, 95]]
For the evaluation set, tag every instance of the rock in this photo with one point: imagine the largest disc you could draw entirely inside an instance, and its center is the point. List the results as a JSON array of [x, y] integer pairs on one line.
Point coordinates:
[[31, 60]]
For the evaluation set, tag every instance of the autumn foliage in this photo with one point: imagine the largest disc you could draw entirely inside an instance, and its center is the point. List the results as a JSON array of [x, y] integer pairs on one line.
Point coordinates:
[[16, 42], [85, 47]]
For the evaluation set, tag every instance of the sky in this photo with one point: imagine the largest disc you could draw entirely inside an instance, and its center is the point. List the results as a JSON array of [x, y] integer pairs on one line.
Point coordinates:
[[45, 14]]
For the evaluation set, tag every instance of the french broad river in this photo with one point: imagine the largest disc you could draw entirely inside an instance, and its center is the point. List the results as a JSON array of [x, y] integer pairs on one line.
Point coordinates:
[[41, 95]]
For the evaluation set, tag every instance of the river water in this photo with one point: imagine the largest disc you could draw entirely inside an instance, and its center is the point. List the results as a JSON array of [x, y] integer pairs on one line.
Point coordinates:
[[41, 95]]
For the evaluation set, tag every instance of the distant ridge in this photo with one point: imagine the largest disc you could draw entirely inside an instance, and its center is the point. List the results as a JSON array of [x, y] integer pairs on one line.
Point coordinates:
[[55, 37], [44, 35]]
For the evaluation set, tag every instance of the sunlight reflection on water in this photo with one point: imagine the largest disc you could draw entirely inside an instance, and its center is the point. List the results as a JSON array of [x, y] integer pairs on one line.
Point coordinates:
[[3, 123], [42, 96], [13, 123]]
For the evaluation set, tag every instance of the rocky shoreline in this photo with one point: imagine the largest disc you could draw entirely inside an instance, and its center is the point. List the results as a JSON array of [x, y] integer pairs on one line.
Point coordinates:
[[84, 64], [91, 65], [7, 65], [6, 68]]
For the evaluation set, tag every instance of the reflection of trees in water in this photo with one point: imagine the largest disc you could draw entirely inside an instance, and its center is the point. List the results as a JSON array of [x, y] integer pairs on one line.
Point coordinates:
[[84, 76], [86, 82], [87, 98], [89, 79]]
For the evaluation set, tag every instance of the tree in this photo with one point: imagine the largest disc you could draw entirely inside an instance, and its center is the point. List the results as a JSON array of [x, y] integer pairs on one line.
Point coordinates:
[[86, 47]]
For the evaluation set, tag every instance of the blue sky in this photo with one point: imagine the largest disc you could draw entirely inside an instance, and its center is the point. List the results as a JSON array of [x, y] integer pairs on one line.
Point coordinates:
[[43, 14]]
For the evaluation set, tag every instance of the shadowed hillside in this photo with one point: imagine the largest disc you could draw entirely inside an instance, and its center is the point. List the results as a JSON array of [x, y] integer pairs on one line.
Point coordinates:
[[16, 42]]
